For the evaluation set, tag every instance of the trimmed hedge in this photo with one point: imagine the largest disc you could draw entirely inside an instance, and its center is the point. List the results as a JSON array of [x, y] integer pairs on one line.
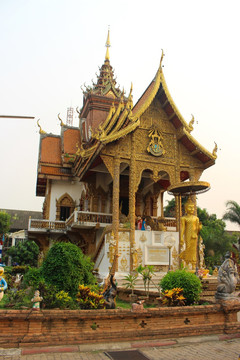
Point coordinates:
[[189, 282]]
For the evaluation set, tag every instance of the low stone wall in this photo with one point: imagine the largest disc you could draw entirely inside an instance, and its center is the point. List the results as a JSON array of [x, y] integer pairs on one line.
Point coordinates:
[[22, 328]]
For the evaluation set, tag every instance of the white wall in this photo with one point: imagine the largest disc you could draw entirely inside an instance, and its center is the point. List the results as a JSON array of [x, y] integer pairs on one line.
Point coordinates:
[[59, 188]]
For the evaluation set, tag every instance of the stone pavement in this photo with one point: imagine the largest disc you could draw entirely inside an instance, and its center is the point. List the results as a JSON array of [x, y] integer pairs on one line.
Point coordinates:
[[212, 347]]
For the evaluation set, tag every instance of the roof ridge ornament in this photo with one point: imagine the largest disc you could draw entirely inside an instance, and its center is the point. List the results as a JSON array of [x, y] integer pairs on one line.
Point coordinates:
[[61, 122], [41, 131], [161, 60], [190, 125], [107, 57], [214, 152]]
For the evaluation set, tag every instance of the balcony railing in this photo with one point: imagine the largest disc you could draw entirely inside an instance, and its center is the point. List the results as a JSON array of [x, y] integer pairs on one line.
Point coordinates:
[[76, 219], [46, 224], [84, 219], [167, 222]]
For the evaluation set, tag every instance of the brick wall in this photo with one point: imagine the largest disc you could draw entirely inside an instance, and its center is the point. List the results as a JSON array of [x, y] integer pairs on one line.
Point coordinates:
[[21, 328]]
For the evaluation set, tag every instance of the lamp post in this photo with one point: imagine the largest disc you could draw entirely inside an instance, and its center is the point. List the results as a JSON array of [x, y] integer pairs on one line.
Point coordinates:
[[169, 241]]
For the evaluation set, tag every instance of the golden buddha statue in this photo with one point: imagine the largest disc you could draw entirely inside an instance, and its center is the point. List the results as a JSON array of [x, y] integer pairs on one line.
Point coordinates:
[[190, 227]]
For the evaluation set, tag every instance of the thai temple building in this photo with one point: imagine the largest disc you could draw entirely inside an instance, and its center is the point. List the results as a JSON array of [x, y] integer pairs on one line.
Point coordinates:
[[105, 179]]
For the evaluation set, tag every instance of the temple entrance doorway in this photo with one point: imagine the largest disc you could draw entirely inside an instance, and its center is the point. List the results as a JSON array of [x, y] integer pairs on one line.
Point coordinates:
[[124, 190], [124, 205]]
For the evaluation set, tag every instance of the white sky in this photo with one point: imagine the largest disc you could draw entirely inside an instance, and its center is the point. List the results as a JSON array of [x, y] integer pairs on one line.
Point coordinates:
[[49, 48]]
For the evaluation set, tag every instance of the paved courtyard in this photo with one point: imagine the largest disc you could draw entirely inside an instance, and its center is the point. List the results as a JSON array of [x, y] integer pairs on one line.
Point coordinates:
[[203, 350]]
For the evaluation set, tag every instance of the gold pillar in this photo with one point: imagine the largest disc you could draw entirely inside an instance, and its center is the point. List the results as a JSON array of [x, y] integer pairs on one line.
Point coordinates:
[[116, 184], [132, 188], [155, 205], [161, 199], [178, 206], [138, 204]]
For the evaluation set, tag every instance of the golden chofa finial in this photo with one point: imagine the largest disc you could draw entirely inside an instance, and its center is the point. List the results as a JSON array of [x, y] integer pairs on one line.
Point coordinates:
[[107, 57], [162, 56], [190, 125], [61, 122], [214, 153], [41, 131]]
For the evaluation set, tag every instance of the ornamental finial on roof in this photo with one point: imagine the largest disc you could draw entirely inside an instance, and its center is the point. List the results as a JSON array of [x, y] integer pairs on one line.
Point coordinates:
[[214, 152], [162, 58], [190, 125], [107, 57], [61, 122], [41, 131]]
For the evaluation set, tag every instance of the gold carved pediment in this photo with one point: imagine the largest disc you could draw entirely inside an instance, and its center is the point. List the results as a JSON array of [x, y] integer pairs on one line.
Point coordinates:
[[108, 162]]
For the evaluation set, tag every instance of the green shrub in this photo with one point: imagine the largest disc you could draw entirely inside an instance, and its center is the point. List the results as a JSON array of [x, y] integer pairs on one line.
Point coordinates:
[[19, 269], [24, 253], [32, 277], [48, 293], [64, 301], [18, 298], [65, 267], [189, 282]]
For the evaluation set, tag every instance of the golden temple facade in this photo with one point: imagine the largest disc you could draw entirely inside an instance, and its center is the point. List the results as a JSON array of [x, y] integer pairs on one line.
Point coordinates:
[[99, 178]]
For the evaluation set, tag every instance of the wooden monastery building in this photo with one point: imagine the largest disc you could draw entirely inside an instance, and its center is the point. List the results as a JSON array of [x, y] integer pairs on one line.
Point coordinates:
[[100, 178]]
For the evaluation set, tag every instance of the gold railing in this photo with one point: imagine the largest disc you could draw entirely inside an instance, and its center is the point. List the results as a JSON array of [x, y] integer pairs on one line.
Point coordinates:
[[169, 222]]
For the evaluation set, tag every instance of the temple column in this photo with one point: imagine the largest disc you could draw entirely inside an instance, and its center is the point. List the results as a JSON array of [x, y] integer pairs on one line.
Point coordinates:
[[178, 207], [155, 205], [132, 188], [138, 204], [161, 199], [115, 212]]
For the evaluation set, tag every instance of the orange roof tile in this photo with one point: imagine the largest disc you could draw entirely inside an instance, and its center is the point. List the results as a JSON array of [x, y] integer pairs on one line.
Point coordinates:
[[71, 137], [51, 150]]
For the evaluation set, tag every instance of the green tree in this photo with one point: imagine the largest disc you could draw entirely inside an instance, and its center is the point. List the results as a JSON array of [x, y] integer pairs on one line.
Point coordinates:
[[24, 253], [4, 222], [66, 267], [233, 212], [217, 242], [170, 208]]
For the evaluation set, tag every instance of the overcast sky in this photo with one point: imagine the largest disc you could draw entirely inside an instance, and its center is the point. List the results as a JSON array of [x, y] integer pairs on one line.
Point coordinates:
[[49, 48]]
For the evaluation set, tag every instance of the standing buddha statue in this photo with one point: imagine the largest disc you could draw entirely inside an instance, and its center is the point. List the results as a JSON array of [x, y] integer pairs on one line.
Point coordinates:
[[190, 227]]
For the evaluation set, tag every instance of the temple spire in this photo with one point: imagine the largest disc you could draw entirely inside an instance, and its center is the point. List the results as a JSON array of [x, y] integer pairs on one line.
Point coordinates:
[[108, 46]]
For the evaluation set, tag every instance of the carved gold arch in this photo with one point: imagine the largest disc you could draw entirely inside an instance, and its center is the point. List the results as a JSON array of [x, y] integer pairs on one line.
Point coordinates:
[[64, 200], [156, 169]]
